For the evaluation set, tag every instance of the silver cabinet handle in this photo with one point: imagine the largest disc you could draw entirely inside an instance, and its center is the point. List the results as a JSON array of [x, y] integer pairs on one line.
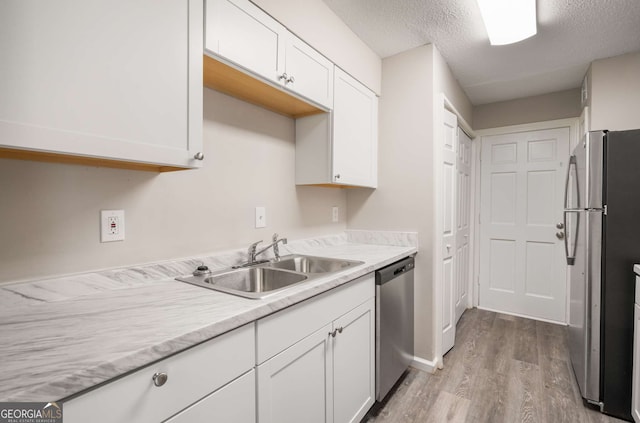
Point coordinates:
[[290, 80], [337, 176], [560, 235], [283, 76], [560, 225], [336, 331], [160, 378], [199, 156]]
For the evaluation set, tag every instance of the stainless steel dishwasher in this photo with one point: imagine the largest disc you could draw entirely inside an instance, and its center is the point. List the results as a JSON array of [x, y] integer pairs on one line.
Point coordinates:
[[394, 323]]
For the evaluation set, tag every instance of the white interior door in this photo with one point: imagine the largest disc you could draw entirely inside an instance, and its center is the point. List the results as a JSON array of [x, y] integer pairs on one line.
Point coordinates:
[[448, 146], [463, 223], [522, 267]]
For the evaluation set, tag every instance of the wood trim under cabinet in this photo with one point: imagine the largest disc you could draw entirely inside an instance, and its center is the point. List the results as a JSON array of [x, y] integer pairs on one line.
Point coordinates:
[[40, 156], [228, 80], [330, 186]]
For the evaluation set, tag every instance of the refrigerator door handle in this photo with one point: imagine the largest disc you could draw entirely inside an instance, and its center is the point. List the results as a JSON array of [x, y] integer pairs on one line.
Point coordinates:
[[572, 162], [571, 259]]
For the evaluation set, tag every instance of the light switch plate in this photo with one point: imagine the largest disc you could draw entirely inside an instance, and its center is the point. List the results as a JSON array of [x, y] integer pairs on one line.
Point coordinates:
[[111, 225], [261, 217]]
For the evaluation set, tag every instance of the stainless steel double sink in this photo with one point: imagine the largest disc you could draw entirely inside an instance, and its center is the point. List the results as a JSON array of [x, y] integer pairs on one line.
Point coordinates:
[[268, 278]]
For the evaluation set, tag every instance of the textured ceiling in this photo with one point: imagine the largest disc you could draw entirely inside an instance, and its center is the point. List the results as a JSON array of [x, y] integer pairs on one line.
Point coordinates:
[[571, 34]]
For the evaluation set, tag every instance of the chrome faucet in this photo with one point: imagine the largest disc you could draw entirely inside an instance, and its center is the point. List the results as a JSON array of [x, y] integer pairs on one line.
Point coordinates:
[[253, 253]]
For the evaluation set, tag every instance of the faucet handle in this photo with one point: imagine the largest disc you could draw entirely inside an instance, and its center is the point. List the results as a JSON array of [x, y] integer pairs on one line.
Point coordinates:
[[252, 247]]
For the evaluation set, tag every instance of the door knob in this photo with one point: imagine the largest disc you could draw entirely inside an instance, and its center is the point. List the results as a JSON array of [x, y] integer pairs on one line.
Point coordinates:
[[560, 235], [560, 225]]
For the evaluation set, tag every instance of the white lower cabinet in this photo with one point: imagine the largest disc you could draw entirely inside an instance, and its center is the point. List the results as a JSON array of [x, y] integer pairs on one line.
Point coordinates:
[[295, 386], [328, 376], [312, 362], [231, 403], [354, 363], [143, 397]]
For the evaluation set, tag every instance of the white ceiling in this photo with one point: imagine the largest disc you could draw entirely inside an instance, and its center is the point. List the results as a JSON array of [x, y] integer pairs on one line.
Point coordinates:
[[571, 34]]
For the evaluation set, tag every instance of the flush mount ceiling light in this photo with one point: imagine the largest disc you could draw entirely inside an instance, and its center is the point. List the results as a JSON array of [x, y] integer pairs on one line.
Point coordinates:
[[508, 21]]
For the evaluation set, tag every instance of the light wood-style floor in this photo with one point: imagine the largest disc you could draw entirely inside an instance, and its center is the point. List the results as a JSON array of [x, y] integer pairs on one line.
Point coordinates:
[[502, 369]]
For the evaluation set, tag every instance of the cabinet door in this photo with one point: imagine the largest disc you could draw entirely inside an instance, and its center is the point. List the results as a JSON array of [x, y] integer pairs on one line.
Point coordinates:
[[234, 402], [354, 363], [116, 80], [191, 375], [296, 385], [241, 33], [309, 74], [355, 132], [635, 400]]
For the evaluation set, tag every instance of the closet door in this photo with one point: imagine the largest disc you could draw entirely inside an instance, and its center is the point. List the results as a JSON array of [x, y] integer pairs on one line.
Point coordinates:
[[448, 149], [463, 223]]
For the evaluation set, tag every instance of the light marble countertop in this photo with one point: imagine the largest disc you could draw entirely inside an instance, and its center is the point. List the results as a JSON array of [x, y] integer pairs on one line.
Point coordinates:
[[62, 336]]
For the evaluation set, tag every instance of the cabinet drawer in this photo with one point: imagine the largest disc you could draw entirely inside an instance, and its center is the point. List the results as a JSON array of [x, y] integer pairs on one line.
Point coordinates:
[[283, 329], [192, 375], [235, 402]]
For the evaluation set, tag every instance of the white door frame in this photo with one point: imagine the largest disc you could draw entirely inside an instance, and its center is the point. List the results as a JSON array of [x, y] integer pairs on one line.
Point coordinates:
[[441, 103], [574, 137]]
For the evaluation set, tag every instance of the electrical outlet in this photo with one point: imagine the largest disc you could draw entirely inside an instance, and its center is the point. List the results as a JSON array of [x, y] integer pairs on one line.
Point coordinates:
[[335, 214], [261, 217], [111, 225]]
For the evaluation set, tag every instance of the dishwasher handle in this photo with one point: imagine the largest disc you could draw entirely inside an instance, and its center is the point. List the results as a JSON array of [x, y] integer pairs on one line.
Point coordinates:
[[394, 270]]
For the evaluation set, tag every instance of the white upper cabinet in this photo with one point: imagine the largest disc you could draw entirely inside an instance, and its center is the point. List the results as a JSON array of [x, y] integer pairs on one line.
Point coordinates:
[[243, 35], [308, 73], [340, 148], [109, 82], [355, 132]]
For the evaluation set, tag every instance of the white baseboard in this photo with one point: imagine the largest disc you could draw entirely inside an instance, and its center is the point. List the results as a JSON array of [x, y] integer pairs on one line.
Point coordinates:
[[424, 365]]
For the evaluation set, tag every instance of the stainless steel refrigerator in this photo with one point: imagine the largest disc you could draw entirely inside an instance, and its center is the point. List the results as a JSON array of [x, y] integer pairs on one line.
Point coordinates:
[[602, 243]]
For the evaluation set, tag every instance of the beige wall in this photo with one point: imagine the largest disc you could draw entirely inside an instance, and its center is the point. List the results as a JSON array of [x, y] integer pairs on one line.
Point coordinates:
[[404, 199], [444, 82], [539, 108], [615, 93], [50, 212], [319, 26]]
